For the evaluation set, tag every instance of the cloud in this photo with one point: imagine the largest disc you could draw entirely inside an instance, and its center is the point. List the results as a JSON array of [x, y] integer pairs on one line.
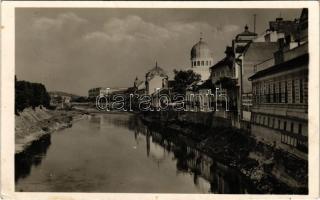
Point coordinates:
[[111, 53], [132, 32], [230, 28], [61, 21], [221, 30], [64, 24], [128, 30]]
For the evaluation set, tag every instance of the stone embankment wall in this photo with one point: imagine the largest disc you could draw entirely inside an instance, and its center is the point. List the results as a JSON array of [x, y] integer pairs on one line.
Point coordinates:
[[32, 124]]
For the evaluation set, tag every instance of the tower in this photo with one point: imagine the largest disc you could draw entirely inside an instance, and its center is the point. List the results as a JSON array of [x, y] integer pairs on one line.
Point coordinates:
[[201, 58]]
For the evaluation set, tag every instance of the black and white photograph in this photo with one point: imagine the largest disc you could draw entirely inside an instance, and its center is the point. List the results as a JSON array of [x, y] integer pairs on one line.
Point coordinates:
[[162, 100]]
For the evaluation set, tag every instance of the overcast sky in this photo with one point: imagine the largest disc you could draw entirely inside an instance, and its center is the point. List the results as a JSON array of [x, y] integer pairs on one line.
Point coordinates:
[[73, 50]]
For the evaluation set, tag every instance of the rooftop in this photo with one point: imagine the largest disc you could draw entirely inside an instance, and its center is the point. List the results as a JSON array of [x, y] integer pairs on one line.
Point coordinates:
[[287, 65]]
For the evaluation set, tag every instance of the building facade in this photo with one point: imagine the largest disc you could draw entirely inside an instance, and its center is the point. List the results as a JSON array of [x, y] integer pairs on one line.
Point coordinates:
[[280, 102], [239, 45], [280, 94], [156, 79], [94, 92], [223, 77], [255, 53]]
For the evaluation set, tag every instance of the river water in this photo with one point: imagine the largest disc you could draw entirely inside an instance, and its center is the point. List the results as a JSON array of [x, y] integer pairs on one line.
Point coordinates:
[[118, 153]]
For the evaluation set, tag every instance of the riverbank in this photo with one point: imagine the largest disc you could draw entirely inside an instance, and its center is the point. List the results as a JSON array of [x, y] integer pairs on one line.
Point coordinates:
[[32, 124], [272, 170]]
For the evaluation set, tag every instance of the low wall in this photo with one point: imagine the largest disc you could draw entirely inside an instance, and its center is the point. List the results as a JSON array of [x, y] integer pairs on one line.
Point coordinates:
[[273, 137], [207, 119]]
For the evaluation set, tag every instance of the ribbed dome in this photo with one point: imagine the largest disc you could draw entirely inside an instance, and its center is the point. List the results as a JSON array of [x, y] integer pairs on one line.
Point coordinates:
[[201, 50]]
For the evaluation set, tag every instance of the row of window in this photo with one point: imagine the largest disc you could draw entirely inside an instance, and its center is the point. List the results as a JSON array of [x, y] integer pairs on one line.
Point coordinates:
[[294, 142], [223, 73], [287, 139], [201, 63], [277, 123], [284, 91], [291, 132]]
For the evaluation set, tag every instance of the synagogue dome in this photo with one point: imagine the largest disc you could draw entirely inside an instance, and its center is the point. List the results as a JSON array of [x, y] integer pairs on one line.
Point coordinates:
[[200, 50]]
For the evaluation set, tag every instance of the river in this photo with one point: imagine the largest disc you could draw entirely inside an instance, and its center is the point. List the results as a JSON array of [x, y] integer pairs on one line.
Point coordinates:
[[118, 153]]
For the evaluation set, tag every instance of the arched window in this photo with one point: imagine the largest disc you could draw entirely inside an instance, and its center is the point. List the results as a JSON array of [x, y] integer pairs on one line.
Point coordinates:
[[198, 63], [194, 63], [202, 63], [207, 63]]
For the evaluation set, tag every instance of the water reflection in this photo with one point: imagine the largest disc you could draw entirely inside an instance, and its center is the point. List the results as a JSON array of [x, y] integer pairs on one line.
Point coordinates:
[[32, 156], [222, 179]]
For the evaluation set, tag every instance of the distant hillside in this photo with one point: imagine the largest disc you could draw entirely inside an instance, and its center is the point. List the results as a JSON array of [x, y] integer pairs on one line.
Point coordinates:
[[63, 94]]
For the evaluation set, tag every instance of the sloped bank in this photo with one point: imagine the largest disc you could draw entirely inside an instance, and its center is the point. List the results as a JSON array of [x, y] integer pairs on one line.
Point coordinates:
[[272, 170], [32, 124]]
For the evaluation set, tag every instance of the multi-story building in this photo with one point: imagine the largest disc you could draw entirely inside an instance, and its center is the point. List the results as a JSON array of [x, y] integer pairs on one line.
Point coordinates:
[[239, 45], [280, 95], [223, 77], [224, 68], [60, 100], [98, 91], [255, 52], [93, 93]]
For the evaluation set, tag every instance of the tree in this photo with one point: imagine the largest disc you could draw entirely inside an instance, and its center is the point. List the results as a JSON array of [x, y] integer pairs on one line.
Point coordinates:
[[184, 78], [30, 95]]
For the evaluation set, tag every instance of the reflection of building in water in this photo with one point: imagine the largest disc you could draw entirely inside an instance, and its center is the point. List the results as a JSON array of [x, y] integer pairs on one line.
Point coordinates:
[[136, 135], [156, 152], [148, 142], [101, 120], [222, 178], [208, 174], [200, 162], [96, 121]]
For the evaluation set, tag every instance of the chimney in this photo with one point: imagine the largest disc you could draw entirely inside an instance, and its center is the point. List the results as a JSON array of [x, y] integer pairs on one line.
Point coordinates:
[[281, 44], [278, 55]]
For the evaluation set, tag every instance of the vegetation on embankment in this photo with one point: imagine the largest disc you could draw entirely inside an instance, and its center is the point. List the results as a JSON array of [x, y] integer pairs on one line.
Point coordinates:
[[272, 170], [29, 94]]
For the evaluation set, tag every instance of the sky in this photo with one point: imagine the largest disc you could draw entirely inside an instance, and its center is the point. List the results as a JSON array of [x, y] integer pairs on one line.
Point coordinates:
[[75, 49]]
